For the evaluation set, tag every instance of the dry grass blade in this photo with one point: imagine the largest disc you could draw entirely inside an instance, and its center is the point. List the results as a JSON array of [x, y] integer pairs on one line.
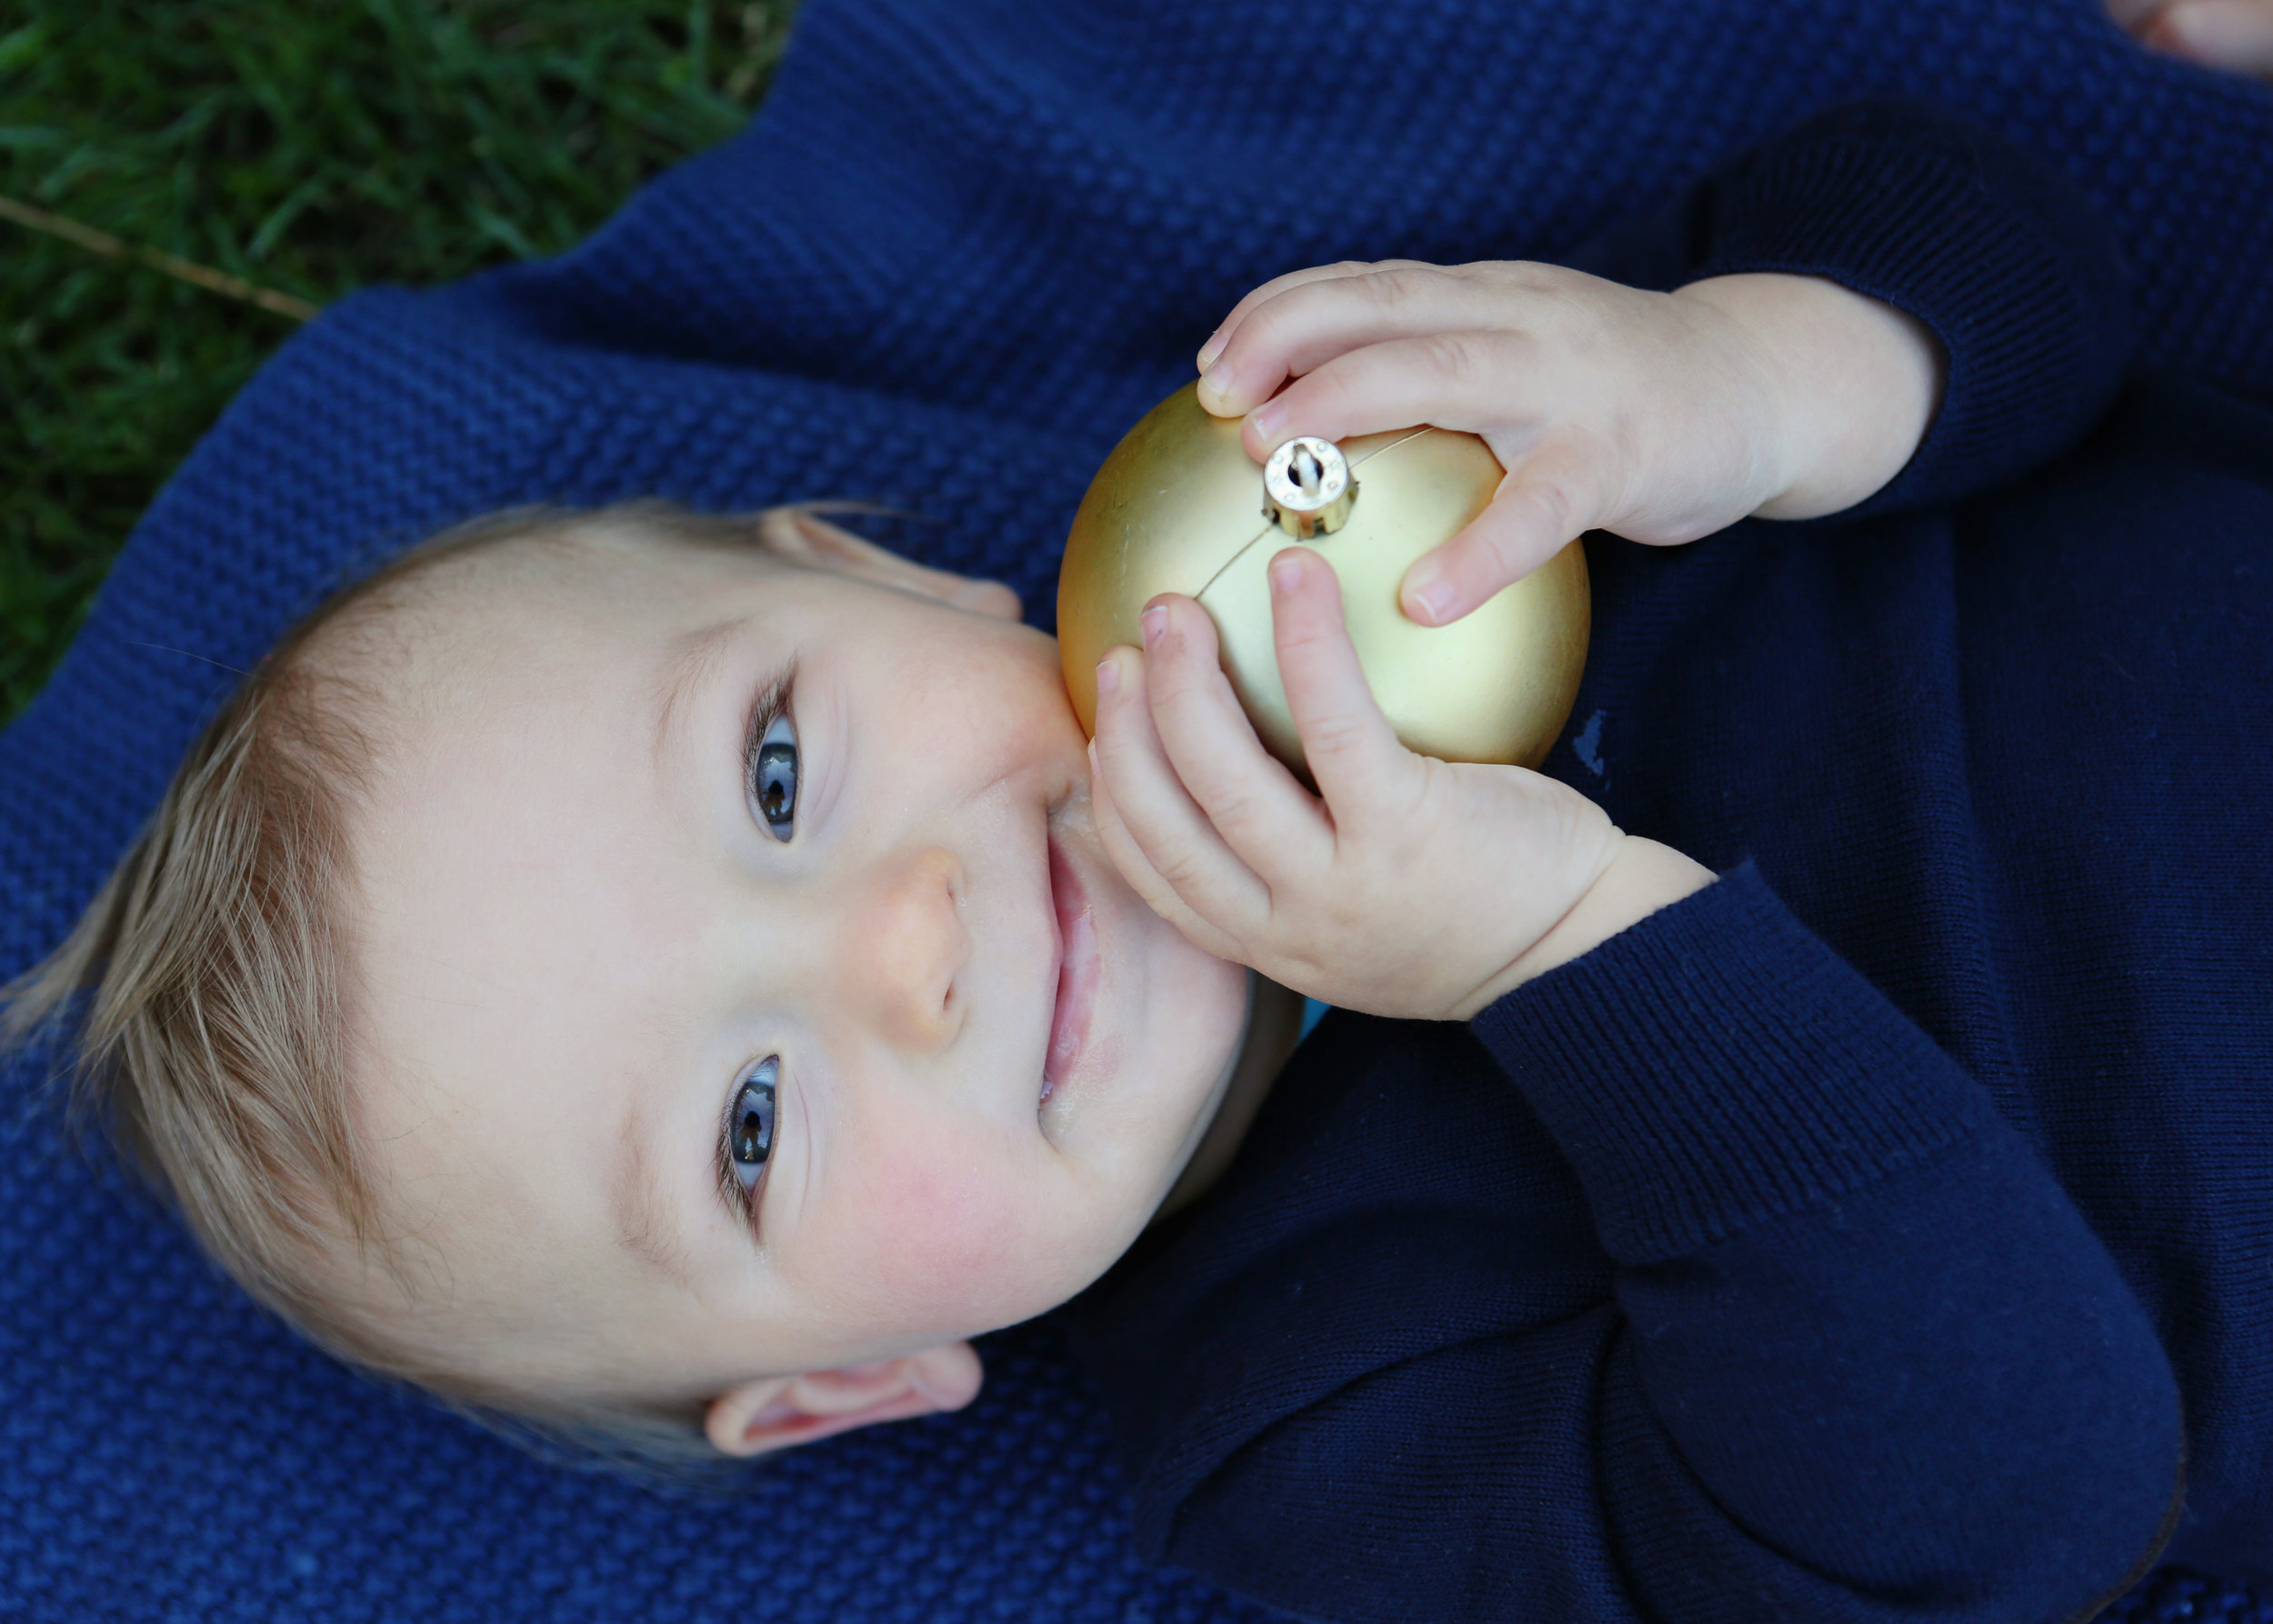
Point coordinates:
[[282, 155], [197, 276]]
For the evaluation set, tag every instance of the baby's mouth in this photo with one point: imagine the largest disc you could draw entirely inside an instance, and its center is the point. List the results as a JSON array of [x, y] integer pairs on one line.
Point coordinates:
[[1076, 968]]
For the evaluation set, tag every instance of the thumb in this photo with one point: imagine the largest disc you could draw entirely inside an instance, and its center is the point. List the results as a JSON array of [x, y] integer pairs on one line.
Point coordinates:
[[2233, 34], [1536, 511]]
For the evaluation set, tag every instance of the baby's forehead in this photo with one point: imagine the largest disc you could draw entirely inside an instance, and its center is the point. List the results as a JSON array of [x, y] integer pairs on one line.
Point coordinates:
[[519, 829], [508, 839]]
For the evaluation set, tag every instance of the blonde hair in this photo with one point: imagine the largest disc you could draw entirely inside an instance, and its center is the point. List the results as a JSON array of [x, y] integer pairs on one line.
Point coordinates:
[[203, 992], [209, 1044]]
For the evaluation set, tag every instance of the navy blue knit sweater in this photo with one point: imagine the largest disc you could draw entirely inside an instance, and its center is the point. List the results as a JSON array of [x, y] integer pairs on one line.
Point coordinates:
[[1885, 1232], [968, 243]]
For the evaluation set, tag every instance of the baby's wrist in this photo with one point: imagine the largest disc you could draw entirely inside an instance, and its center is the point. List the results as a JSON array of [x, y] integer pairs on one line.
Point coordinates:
[[1642, 877], [1856, 384]]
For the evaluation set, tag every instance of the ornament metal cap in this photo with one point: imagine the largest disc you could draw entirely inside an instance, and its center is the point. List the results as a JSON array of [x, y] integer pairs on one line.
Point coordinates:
[[1308, 488]]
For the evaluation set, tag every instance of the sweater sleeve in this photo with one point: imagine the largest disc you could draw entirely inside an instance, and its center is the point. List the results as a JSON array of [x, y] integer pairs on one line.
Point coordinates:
[[1998, 254], [1876, 1364], [1858, 1359]]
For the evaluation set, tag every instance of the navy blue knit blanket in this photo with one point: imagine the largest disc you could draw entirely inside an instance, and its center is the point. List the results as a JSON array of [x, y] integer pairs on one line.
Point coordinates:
[[968, 243]]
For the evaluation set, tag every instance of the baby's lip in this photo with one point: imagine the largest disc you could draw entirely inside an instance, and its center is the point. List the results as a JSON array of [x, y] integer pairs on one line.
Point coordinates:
[[1073, 927]]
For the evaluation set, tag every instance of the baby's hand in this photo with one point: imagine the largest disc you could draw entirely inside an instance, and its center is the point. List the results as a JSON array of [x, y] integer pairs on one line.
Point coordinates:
[[2233, 34], [1407, 887], [1661, 416]]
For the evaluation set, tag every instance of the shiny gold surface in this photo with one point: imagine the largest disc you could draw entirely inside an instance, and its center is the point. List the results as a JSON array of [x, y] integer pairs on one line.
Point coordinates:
[[1178, 507]]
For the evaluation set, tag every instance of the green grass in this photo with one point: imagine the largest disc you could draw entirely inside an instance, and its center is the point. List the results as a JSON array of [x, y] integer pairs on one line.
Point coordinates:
[[307, 146]]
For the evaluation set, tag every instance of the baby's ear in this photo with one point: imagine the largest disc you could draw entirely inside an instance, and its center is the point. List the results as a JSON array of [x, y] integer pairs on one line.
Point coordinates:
[[805, 537], [780, 1410]]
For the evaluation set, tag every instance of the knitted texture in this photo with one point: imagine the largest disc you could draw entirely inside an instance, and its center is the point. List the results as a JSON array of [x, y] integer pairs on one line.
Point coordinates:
[[2029, 289], [1673, 1174], [967, 244]]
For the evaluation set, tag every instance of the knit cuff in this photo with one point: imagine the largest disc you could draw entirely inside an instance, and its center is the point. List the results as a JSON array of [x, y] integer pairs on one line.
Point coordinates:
[[1998, 254], [1715, 1066]]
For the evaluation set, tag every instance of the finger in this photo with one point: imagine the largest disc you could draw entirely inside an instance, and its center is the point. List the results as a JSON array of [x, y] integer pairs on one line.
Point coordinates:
[[1472, 380], [1269, 821], [1143, 878], [1216, 391], [1309, 321], [2233, 34], [1167, 825], [1554, 495], [1277, 284], [1362, 768], [2130, 14]]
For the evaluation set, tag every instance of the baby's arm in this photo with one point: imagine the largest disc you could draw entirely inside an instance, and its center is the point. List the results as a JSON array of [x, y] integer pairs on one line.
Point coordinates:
[[1857, 1356], [1881, 286], [1866, 1360]]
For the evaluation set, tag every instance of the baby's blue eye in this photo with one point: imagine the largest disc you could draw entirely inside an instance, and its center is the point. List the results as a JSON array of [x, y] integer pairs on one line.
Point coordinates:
[[773, 777], [750, 1134]]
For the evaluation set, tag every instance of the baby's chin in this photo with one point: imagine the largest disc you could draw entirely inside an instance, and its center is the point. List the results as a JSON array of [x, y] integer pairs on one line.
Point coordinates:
[[1266, 1037]]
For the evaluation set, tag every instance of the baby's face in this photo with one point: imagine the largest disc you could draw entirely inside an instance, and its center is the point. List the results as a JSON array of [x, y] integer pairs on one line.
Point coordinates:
[[586, 941]]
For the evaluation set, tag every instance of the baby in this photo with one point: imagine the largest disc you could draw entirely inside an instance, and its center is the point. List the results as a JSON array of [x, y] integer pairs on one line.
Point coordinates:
[[740, 1003], [681, 979]]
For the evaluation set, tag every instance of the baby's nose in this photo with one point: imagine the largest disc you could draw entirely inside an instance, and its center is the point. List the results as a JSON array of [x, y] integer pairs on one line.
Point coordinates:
[[905, 958]]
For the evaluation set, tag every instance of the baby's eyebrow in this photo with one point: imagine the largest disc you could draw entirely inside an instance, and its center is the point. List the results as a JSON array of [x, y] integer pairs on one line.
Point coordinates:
[[689, 658]]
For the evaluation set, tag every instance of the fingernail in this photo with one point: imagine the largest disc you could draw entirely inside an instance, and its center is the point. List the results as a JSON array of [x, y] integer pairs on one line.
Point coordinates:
[[1284, 573], [1269, 417], [1155, 621], [1109, 678], [1435, 603], [1217, 380], [1211, 349], [1425, 589]]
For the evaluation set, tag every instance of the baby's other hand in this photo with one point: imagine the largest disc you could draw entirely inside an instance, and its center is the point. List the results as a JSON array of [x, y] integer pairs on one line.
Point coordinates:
[[1407, 887], [1660, 417], [2233, 34]]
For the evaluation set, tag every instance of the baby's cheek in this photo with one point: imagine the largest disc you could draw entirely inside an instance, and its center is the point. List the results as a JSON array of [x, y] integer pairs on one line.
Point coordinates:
[[956, 1243]]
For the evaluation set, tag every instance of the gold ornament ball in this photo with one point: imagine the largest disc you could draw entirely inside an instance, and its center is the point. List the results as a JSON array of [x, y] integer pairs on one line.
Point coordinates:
[[1180, 506]]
